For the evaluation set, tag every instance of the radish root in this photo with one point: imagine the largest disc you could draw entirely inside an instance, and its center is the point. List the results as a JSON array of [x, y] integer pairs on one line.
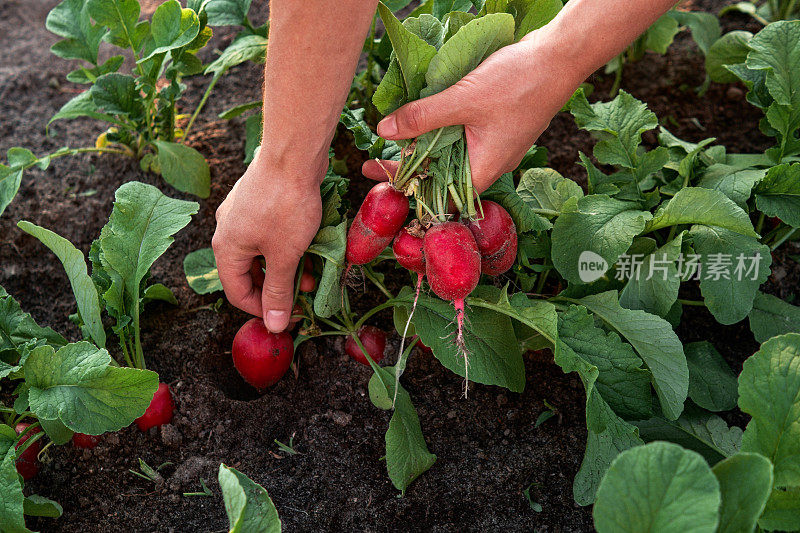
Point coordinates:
[[461, 346], [397, 370]]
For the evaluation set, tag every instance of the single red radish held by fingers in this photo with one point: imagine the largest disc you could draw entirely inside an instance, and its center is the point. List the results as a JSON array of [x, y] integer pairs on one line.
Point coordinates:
[[160, 410], [496, 236], [374, 341], [378, 220], [453, 269], [87, 442], [260, 356], [28, 461]]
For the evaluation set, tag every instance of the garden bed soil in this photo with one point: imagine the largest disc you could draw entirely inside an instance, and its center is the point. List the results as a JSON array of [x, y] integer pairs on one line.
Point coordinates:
[[488, 449]]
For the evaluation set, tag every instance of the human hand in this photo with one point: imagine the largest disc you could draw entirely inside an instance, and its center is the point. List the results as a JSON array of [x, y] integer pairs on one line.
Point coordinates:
[[273, 211], [504, 105]]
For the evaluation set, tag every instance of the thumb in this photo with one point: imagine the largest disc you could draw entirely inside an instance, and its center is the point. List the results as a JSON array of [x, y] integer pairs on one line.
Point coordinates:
[[278, 291], [446, 108]]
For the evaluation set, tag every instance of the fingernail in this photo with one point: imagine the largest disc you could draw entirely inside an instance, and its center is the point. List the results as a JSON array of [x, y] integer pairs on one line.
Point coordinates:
[[277, 321], [387, 127]]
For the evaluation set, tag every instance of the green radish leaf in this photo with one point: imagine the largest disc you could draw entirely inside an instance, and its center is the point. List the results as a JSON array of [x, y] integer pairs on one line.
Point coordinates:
[[11, 497], [658, 487], [407, 455], [200, 268], [769, 391], [454, 21], [83, 287], [494, 354], [659, 36], [782, 511], [705, 27], [745, 262], [139, 230], [247, 503], [10, 181], [778, 194], [544, 188], [607, 433], [116, 94], [621, 380], [172, 27], [697, 205], [654, 287], [459, 56], [697, 430], [428, 27], [227, 12], [121, 17], [533, 14], [656, 343], [330, 243], [78, 386], [365, 139], [18, 329], [35, 505], [443, 7], [771, 317], [595, 225], [56, 431], [159, 292], [390, 94], [237, 110], [737, 184], [247, 48], [742, 502], [730, 49], [184, 168], [525, 219], [89, 75], [712, 383], [81, 105], [413, 54], [70, 20]]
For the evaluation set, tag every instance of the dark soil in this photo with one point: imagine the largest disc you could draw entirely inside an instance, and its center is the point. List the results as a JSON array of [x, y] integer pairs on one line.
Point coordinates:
[[488, 449]]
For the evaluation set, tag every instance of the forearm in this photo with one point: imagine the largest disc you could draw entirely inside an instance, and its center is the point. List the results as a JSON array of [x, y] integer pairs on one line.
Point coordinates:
[[312, 54], [589, 33]]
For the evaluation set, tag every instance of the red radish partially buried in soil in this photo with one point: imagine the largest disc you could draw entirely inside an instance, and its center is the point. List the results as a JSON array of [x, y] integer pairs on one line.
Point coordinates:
[[87, 442], [378, 220], [496, 236], [453, 269], [260, 356], [28, 460], [160, 410], [374, 341]]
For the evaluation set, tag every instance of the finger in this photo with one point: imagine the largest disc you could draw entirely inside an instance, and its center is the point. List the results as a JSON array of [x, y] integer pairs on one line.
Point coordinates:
[[379, 170], [235, 274], [278, 291], [447, 108]]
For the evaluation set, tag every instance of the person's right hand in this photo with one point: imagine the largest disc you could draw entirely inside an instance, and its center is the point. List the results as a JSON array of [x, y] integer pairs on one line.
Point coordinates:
[[273, 211]]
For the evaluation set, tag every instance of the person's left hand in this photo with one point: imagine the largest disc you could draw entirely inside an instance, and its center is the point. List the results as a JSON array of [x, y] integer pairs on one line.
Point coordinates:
[[504, 105]]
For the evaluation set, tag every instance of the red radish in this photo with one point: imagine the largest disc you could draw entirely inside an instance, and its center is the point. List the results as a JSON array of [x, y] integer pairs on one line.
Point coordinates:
[[87, 442], [160, 410], [374, 341], [378, 220], [496, 236], [409, 251], [453, 268], [28, 461], [307, 282], [260, 356]]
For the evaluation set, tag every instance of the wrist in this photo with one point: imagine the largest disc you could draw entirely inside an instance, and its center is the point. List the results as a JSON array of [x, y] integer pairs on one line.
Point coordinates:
[[293, 164]]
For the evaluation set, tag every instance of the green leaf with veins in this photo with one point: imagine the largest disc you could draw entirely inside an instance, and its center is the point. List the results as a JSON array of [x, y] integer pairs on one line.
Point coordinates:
[[200, 268], [121, 17], [778, 194], [696, 429], [730, 299], [618, 124], [413, 54], [78, 386], [11, 497], [660, 34], [159, 292], [89, 75], [655, 342], [474, 42], [742, 502], [227, 12], [772, 316], [730, 49], [596, 223], [654, 288], [390, 93], [545, 188], [17, 328], [658, 487], [697, 205], [705, 27], [735, 183], [712, 383], [35, 505], [10, 181], [172, 27], [330, 243], [56, 431], [503, 192], [782, 511], [184, 168], [443, 7], [532, 14], [247, 503], [81, 105], [769, 391], [70, 20], [116, 94], [454, 22], [246, 48], [83, 287], [428, 27]]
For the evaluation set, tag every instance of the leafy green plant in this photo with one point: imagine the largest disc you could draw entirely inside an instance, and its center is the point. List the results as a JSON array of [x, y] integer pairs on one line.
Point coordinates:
[[247, 503], [61, 388], [139, 230], [765, 12]]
